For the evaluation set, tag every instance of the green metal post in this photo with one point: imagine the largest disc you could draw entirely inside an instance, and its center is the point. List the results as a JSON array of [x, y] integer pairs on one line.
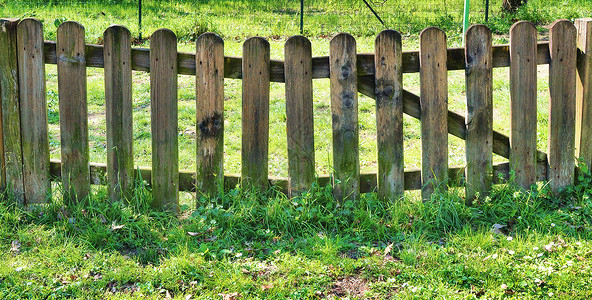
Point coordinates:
[[466, 19]]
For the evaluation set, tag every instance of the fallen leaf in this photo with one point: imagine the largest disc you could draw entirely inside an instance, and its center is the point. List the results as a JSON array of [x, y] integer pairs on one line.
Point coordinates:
[[211, 239], [116, 227], [102, 218], [193, 233], [15, 247], [266, 287], [388, 249], [497, 228]]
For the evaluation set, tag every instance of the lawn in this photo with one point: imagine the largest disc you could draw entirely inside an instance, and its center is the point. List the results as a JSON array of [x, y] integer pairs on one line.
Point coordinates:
[[263, 245]]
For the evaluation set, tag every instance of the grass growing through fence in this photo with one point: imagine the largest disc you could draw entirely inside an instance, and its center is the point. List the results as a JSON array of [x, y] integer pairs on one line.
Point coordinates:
[[264, 245]]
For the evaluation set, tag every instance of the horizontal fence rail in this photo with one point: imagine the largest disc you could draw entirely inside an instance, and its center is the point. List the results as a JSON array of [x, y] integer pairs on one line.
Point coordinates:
[[27, 170]]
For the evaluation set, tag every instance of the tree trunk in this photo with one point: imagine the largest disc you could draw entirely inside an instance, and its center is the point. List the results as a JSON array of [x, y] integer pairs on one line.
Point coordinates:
[[512, 5]]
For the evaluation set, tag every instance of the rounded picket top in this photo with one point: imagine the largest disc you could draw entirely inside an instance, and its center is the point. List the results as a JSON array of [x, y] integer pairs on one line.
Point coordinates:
[[31, 23], [70, 27], [163, 35], [298, 41], [30, 34], [344, 39], [477, 30], [478, 40], [388, 34], [256, 42], [563, 25], [431, 32], [117, 30], [522, 26], [210, 36]]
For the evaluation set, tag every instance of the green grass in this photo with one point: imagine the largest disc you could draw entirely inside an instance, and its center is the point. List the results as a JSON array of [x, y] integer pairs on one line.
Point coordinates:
[[264, 245]]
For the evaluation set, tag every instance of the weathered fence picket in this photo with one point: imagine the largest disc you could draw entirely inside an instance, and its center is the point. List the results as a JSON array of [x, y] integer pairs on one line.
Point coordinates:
[[389, 114], [209, 82], [73, 111], [344, 110], [11, 118], [523, 103], [255, 134], [299, 114], [33, 105], [434, 108], [584, 91], [164, 118], [479, 86], [562, 104], [118, 108], [25, 149]]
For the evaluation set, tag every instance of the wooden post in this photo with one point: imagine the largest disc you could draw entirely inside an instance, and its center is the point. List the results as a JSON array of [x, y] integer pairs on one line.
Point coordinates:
[[562, 106], [255, 112], [209, 80], [523, 103], [12, 160], [344, 108], [73, 111], [33, 105], [434, 109], [584, 91], [389, 114], [479, 86], [299, 114], [164, 118], [118, 106]]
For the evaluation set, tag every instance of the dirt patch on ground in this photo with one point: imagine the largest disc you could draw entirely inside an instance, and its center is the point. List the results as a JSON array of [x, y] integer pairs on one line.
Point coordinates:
[[351, 286]]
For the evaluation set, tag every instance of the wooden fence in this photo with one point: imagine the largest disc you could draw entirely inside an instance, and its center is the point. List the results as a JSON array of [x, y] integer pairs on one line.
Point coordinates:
[[24, 151]]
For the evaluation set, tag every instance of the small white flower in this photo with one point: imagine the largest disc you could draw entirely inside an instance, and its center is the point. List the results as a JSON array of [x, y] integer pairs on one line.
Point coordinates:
[[551, 294], [539, 255], [537, 281], [414, 289], [494, 256], [527, 257], [578, 244], [552, 224], [535, 248], [511, 252], [569, 263], [509, 238]]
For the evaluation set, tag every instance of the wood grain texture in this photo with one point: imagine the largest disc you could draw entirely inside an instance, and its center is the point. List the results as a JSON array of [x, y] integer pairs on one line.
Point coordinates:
[[118, 107], [584, 91], [344, 110], [479, 89], [389, 115], [11, 121], [33, 105], [434, 109], [209, 81], [562, 106], [73, 111], [255, 112], [164, 118], [320, 65], [299, 114], [523, 103]]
